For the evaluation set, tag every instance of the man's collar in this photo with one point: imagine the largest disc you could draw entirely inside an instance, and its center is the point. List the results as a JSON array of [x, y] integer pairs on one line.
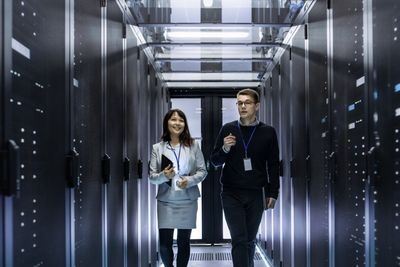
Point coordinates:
[[254, 123]]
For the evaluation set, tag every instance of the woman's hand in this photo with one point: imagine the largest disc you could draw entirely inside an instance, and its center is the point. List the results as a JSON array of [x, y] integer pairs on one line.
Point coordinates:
[[182, 182], [169, 172]]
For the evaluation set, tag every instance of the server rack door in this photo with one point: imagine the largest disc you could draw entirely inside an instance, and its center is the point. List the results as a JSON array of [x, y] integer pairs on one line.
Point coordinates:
[[114, 135], [319, 137], [349, 138], [384, 161], [299, 150], [285, 148], [7, 180], [276, 212], [39, 127], [143, 110], [156, 101], [86, 129], [266, 223], [146, 150], [132, 148]]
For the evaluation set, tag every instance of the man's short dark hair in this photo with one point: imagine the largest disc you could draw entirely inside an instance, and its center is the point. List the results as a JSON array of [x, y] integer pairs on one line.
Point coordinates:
[[250, 92]]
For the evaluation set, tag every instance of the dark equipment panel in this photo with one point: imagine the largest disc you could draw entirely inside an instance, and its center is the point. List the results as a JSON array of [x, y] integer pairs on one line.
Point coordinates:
[[143, 110], [8, 181], [132, 148], [384, 161], [266, 230], [37, 107], [285, 147], [349, 133], [275, 213], [114, 135], [299, 147], [319, 137], [87, 138]]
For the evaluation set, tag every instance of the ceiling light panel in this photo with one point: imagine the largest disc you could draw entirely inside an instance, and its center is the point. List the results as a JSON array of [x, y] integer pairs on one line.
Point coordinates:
[[210, 76], [212, 84], [211, 52]]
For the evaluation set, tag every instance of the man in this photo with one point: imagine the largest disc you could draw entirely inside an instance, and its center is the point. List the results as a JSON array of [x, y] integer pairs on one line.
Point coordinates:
[[249, 151]]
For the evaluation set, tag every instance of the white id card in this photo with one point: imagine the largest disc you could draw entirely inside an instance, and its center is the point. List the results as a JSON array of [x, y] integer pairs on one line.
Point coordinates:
[[175, 186], [247, 164]]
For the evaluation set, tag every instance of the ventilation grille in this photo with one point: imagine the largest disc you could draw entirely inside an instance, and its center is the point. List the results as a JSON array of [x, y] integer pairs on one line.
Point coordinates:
[[201, 256], [219, 256]]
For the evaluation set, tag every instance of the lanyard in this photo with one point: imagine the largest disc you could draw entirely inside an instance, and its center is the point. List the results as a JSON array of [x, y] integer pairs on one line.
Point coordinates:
[[179, 154], [244, 143]]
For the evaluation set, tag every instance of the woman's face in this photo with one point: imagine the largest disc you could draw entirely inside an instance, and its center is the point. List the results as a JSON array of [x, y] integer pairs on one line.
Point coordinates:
[[176, 124]]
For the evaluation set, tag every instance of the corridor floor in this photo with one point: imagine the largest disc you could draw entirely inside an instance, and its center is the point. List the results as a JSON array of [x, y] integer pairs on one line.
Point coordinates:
[[217, 256]]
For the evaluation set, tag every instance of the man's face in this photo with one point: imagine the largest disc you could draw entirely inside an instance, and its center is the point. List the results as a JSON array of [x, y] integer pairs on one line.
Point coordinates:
[[247, 107]]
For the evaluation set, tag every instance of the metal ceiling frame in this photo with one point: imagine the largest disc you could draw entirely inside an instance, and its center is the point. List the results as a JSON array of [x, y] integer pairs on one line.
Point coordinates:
[[147, 47], [203, 44], [214, 25]]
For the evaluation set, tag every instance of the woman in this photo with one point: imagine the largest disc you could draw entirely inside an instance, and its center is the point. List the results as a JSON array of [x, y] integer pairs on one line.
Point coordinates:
[[177, 166]]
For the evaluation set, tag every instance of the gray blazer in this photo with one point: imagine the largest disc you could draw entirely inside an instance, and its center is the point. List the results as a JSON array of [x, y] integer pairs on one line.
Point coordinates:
[[197, 173]]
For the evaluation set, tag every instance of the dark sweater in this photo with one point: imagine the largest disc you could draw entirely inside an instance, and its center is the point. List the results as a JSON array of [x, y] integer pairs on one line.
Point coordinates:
[[263, 151]]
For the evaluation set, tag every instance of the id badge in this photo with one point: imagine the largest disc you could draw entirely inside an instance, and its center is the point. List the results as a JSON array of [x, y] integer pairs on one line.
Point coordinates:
[[247, 164], [175, 186]]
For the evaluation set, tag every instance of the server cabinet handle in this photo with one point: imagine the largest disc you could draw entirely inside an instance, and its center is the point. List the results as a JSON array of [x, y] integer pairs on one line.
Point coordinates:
[[105, 168], [11, 169], [292, 168], [281, 168], [127, 169], [72, 168], [140, 169]]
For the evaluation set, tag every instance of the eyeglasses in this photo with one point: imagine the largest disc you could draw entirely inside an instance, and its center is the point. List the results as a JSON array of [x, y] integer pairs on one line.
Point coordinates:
[[246, 103]]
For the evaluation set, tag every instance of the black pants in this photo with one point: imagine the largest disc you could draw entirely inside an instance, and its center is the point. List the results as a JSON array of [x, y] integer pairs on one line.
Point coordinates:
[[243, 212], [166, 252]]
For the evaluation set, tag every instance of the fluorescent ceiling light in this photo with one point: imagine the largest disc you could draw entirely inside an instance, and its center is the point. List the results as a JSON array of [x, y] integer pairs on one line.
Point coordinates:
[[211, 84], [208, 3], [203, 34]]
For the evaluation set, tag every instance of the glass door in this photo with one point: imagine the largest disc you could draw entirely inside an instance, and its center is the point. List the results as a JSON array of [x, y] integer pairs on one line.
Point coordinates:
[[206, 115], [192, 109]]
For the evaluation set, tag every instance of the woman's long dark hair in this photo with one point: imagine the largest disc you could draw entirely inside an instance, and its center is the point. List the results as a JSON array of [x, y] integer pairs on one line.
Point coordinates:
[[184, 137]]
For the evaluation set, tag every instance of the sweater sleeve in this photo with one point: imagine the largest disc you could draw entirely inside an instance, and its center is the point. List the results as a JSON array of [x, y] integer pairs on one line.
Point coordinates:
[[273, 168], [218, 156]]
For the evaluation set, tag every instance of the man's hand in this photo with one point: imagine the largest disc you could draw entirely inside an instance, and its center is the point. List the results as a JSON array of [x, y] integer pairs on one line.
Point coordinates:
[[229, 141], [270, 202]]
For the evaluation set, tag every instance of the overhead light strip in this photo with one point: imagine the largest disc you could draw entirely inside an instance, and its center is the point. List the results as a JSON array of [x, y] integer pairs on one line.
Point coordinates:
[[204, 34]]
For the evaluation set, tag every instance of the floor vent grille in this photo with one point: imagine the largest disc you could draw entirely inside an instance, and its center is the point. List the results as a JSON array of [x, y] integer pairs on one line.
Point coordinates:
[[202, 256], [219, 256], [223, 256]]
